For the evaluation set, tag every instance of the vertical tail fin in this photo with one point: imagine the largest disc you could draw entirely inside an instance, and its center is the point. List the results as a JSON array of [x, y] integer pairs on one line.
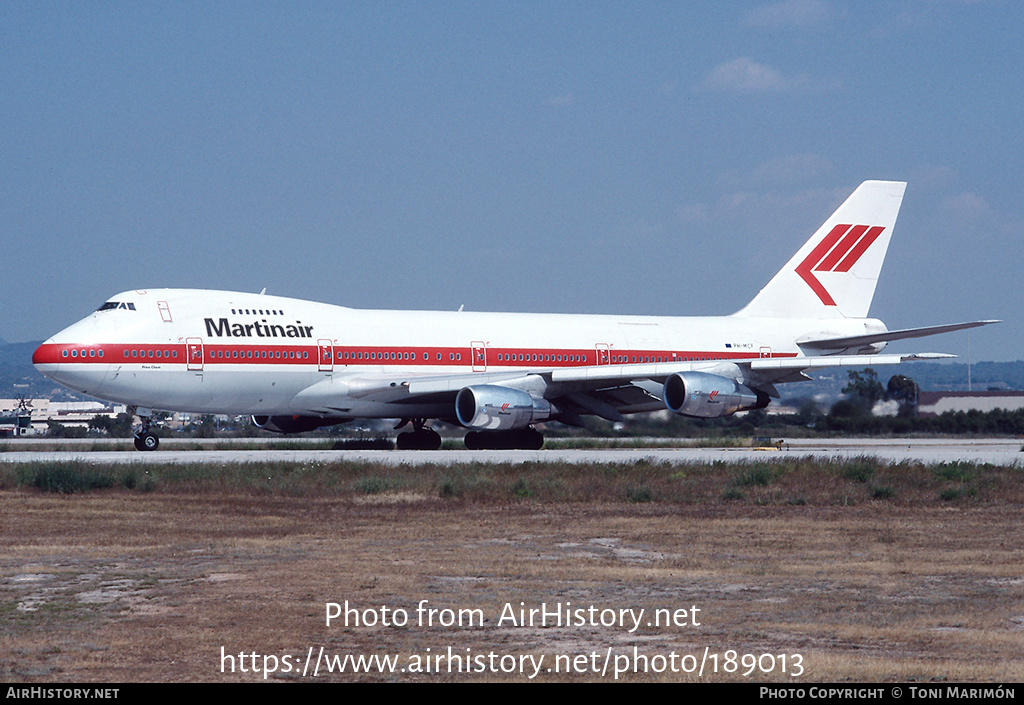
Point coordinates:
[[834, 274]]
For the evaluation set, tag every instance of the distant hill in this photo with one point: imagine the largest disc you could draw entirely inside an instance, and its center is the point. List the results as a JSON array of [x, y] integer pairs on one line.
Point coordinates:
[[18, 378], [14, 353], [17, 375]]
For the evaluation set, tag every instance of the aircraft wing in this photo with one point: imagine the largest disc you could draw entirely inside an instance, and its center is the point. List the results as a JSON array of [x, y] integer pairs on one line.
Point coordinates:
[[787, 364], [611, 390], [806, 363], [608, 391]]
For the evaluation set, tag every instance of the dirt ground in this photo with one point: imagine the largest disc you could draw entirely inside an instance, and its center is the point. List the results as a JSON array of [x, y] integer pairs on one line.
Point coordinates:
[[129, 587]]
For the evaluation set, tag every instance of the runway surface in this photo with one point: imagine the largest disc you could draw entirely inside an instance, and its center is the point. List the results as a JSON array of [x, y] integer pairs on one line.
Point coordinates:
[[998, 451]]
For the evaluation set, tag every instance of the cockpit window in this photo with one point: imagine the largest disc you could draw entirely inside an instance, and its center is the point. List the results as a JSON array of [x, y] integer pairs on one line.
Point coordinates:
[[117, 304]]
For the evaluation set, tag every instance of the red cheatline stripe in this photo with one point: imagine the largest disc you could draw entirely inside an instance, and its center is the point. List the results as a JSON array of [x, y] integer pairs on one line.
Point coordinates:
[[862, 246], [841, 249], [113, 354]]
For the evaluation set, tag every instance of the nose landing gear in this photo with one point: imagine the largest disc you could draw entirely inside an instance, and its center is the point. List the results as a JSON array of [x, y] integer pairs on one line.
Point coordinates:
[[145, 439]]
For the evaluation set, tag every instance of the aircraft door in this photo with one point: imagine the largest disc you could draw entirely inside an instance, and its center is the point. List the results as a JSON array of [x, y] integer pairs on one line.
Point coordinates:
[[325, 355], [603, 354], [766, 351], [194, 351], [165, 312], [479, 356]]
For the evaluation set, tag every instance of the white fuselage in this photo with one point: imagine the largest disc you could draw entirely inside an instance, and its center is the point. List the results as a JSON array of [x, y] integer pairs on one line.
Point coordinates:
[[238, 353]]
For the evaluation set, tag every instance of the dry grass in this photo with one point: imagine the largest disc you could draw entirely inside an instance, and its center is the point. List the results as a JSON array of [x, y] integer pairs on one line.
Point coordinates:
[[778, 481], [124, 585]]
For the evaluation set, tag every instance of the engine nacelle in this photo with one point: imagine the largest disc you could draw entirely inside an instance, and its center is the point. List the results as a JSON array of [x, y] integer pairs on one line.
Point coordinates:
[[292, 424], [709, 396], [489, 407]]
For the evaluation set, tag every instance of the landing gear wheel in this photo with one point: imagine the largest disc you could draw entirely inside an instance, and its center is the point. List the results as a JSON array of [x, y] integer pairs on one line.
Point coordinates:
[[531, 439], [146, 441], [420, 439], [475, 440], [518, 439]]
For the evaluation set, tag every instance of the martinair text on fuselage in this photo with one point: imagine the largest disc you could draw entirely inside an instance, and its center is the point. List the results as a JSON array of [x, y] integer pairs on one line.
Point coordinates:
[[261, 329]]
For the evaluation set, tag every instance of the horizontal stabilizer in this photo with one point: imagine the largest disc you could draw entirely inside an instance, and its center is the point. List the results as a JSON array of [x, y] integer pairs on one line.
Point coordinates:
[[854, 341]]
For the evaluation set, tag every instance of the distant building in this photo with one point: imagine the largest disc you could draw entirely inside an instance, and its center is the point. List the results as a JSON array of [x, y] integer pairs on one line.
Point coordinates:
[[15, 426], [15, 421], [935, 403]]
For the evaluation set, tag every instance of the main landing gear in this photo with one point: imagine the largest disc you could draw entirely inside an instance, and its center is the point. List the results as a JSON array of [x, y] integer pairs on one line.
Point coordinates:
[[516, 439], [145, 439], [420, 438], [423, 438]]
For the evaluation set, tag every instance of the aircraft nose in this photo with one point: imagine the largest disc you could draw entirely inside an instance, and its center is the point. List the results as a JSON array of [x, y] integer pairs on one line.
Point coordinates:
[[74, 357], [45, 358], [39, 357]]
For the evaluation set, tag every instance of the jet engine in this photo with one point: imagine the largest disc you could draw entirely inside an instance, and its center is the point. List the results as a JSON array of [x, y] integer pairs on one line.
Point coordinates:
[[490, 407], [292, 424], [709, 396]]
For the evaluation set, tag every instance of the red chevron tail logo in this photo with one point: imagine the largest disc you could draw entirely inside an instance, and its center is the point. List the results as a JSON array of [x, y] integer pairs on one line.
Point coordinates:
[[837, 252]]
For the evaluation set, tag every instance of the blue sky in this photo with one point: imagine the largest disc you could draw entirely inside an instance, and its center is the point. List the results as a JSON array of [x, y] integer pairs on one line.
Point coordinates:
[[623, 157]]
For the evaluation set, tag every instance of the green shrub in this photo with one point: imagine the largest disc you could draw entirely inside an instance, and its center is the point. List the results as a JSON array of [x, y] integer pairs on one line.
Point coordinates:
[[956, 471], [521, 489], [643, 493], [859, 470], [371, 485], [882, 492], [70, 477], [760, 475]]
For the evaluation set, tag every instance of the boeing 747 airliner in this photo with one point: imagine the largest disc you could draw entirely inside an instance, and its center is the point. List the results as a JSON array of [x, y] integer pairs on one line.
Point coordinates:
[[297, 365]]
